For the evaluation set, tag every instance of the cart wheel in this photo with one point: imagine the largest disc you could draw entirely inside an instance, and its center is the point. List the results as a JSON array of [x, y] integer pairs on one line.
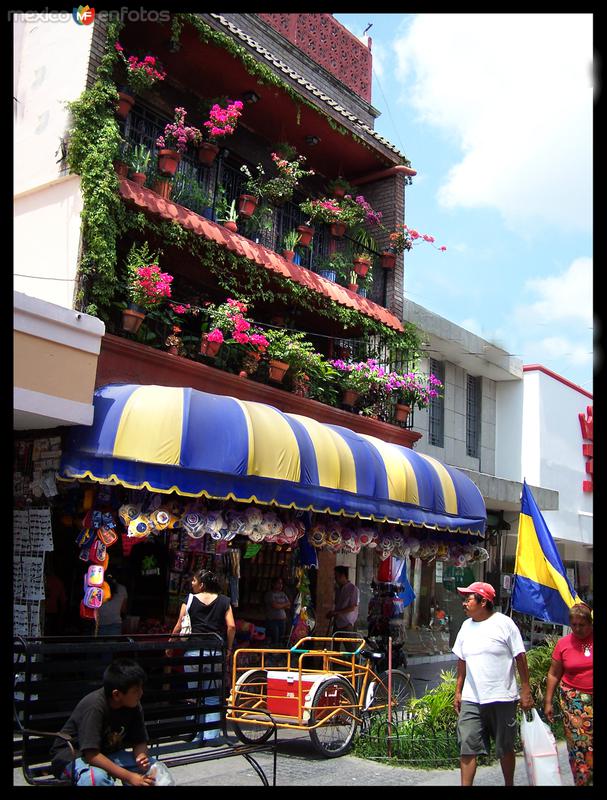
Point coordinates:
[[402, 692], [335, 737], [251, 693]]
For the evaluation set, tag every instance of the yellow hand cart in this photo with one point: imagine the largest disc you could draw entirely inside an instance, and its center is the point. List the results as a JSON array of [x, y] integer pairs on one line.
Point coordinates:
[[317, 687]]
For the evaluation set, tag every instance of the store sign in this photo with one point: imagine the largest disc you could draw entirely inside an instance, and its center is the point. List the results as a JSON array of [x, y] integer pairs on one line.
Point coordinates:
[[587, 426]]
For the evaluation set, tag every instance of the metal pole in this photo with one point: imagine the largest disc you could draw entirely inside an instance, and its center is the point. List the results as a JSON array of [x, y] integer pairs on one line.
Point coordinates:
[[389, 696]]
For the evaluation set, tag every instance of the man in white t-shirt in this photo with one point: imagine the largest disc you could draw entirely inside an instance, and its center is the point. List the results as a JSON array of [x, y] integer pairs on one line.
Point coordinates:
[[486, 695]]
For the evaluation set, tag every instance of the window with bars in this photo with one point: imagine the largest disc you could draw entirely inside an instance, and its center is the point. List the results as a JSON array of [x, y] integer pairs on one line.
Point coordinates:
[[436, 409], [473, 416]]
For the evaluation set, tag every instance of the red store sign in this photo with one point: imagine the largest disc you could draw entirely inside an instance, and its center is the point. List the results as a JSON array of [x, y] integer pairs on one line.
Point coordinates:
[[586, 424]]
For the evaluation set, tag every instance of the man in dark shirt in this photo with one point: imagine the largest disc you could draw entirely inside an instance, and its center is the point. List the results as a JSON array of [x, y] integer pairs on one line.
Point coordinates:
[[100, 727]]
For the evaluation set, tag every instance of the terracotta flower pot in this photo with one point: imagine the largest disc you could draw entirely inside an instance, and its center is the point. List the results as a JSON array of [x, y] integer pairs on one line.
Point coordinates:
[[168, 161], [353, 287], [122, 169], [288, 254], [139, 178], [125, 104], [360, 267], [247, 203], [231, 226], [401, 412], [277, 370], [387, 260], [209, 349], [132, 317], [207, 153], [339, 192], [349, 397], [163, 187], [306, 233], [337, 229]]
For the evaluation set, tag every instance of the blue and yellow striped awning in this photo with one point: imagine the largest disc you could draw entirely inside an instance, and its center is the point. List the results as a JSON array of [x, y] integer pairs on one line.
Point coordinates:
[[172, 439]]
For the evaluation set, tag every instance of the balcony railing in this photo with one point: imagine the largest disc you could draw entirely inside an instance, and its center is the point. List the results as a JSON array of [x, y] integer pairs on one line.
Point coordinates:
[[143, 126]]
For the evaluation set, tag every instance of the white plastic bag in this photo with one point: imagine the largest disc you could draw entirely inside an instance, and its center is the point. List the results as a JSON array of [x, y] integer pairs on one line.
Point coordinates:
[[161, 773], [541, 756]]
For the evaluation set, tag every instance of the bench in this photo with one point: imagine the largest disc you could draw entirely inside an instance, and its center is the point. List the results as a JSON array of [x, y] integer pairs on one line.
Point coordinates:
[[53, 673]]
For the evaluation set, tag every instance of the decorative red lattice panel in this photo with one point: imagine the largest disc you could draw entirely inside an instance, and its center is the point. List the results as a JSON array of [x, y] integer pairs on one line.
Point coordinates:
[[329, 44]]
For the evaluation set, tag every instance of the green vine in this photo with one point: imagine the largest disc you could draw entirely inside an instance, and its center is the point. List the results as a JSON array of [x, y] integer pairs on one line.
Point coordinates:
[[263, 74], [93, 145], [239, 279]]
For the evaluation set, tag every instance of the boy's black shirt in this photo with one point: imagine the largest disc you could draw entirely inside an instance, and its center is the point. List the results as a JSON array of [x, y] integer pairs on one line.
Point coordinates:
[[93, 725]]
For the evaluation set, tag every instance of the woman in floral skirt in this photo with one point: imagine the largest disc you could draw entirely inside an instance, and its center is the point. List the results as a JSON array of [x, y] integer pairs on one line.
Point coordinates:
[[571, 667]]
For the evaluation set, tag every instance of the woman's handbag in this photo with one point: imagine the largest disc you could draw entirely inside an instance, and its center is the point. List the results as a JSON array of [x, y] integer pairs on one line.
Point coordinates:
[[186, 622], [539, 747]]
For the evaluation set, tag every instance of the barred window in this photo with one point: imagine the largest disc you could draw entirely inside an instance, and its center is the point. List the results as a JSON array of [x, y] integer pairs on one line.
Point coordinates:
[[473, 416], [436, 409]]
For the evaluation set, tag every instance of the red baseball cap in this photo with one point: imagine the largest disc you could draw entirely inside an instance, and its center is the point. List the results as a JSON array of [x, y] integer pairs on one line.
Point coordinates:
[[478, 587]]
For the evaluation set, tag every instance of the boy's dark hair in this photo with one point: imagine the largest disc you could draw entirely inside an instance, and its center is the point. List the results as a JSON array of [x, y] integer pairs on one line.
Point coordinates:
[[342, 570], [122, 674]]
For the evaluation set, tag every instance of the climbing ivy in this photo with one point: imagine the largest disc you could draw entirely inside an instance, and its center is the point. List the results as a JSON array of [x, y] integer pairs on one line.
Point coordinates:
[[93, 145]]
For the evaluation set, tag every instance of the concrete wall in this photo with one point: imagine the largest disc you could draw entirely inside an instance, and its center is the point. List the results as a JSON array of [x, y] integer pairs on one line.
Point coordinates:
[[50, 68], [454, 450]]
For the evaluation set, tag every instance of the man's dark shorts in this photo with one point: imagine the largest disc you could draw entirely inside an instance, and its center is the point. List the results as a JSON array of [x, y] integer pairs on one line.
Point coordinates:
[[478, 723]]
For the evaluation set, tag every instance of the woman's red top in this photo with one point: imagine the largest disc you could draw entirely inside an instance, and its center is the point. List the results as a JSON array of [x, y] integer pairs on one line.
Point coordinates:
[[576, 656]]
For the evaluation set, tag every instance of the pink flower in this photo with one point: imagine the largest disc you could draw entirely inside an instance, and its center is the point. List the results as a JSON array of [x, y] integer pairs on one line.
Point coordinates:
[[443, 248], [119, 47], [215, 336]]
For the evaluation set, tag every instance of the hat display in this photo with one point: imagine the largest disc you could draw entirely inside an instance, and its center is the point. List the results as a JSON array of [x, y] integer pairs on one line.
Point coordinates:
[[478, 587]]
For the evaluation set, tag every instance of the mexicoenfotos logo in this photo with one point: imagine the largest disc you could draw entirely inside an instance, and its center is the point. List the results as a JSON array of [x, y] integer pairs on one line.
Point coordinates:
[[83, 15]]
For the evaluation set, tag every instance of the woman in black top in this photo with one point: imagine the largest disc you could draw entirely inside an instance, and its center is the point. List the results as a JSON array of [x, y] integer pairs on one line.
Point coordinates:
[[210, 612]]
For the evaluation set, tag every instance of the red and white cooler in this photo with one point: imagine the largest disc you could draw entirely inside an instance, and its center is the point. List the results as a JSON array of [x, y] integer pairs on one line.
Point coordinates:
[[283, 692]]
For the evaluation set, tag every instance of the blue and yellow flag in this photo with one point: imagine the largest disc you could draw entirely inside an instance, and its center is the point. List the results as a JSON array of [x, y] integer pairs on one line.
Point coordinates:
[[541, 586]]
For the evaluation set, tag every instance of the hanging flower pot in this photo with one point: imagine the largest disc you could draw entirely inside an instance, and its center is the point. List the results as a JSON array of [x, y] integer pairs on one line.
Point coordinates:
[[306, 233], [209, 349], [231, 226], [139, 178], [337, 229], [401, 412], [207, 152], [168, 161], [125, 104], [277, 370], [353, 287], [247, 203], [338, 192], [288, 254], [132, 317], [163, 187], [387, 260], [349, 397], [361, 266], [122, 168]]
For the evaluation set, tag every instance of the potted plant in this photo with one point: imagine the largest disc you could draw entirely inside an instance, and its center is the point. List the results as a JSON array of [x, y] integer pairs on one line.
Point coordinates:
[[147, 286], [404, 238], [161, 184], [339, 187], [279, 190], [174, 141], [290, 242], [285, 151], [141, 75], [188, 192], [362, 382], [227, 323], [306, 233], [353, 285], [387, 258], [361, 262], [334, 266], [139, 161], [279, 349], [173, 341], [121, 162], [229, 218], [223, 118]]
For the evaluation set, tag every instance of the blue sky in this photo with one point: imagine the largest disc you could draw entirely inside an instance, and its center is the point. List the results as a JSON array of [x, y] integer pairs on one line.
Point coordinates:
[[494, 112]]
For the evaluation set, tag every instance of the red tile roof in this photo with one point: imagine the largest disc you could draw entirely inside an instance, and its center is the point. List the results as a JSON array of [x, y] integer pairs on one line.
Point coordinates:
[[148, 200]]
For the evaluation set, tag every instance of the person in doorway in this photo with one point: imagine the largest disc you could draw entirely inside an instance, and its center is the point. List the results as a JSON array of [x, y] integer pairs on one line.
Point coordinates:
[[113, 611], [210, 612], [277, 604], [345, 609], [488, 645], [571, 667], [101, 726]]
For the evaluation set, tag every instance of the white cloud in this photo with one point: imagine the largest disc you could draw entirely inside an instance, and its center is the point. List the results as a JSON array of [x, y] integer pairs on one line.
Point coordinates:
[[560, 348], [514, 91], [565, 297]]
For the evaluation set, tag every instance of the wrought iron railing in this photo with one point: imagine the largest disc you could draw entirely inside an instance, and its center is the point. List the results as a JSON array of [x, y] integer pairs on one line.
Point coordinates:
[[143, 126]]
